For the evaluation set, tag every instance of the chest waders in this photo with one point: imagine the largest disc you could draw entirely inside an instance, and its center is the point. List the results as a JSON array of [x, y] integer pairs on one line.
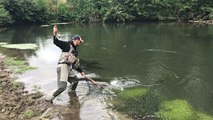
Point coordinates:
[[64, 70]]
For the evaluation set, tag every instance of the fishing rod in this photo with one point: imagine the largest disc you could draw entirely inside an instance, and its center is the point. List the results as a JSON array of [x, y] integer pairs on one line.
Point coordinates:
[[93, 81], [97, 83]]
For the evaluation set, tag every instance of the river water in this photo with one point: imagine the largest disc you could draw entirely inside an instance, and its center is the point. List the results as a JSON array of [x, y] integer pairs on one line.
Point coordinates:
[[172, 59]]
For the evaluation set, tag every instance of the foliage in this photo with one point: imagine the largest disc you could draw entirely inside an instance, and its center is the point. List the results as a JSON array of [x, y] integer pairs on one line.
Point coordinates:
[[28, 114], [195, 9], [63, 13], [27, 11], [86, 10], [5, 17], [42, 11], [128, 10]]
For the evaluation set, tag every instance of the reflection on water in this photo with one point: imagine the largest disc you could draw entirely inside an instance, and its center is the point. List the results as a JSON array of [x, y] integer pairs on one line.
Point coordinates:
[[73, 111], [173, 60]]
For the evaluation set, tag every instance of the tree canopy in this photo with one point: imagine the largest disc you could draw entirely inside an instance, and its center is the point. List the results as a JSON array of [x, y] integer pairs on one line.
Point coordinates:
[[44, 11]]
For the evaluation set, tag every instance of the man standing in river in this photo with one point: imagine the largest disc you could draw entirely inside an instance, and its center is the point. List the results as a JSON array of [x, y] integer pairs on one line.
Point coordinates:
[[67, 62]]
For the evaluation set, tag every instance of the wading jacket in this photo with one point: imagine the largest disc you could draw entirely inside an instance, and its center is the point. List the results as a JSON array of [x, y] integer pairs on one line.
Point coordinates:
[[65, 46]]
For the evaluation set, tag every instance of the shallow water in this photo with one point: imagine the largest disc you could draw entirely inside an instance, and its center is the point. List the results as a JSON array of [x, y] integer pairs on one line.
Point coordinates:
[[172, 60]]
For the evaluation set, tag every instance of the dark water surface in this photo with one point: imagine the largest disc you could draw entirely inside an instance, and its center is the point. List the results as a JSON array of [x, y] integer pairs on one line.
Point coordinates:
[[174, 60]]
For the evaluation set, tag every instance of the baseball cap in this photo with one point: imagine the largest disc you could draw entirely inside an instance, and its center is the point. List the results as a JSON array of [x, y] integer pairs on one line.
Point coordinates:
[[77, 37]]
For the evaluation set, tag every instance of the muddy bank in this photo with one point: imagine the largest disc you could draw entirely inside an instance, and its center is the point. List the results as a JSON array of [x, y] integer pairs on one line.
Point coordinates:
[[16, 103]]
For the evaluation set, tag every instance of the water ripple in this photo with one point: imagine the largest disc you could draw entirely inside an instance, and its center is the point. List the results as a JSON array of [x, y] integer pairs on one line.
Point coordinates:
[[160, 50]]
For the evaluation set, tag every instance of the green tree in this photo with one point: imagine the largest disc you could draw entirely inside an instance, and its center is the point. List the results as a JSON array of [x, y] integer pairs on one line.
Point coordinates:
[[27, 11], [5, 17], [196, 10], [63, 12], [42, 10]]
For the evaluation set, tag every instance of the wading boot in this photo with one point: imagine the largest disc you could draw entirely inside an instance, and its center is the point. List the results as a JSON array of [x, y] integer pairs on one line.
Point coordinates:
[[49, 99]]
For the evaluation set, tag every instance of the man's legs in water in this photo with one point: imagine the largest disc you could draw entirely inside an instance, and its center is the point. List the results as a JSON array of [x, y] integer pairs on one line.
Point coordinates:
[[74, 82], [62, 76]]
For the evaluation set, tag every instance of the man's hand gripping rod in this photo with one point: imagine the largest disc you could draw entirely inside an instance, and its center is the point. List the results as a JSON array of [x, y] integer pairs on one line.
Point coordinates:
[[93, 81]]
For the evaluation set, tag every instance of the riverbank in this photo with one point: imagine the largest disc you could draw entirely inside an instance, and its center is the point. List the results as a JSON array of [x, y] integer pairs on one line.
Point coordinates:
[[202, 21], [16, 103]]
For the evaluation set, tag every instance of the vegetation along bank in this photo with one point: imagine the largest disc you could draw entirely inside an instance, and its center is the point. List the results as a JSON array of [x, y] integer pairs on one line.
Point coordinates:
[[48, 11]]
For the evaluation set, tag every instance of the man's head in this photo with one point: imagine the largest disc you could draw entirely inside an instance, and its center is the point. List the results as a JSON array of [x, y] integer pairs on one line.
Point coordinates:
[[77, 40]]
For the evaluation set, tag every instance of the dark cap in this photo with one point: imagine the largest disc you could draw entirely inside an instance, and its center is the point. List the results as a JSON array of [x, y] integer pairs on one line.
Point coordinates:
[[77, 37]]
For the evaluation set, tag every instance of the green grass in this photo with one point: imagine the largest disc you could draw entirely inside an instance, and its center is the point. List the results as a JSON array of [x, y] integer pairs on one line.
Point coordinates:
[[28, 114], [16, 84], [11, 61], [17, 66]]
